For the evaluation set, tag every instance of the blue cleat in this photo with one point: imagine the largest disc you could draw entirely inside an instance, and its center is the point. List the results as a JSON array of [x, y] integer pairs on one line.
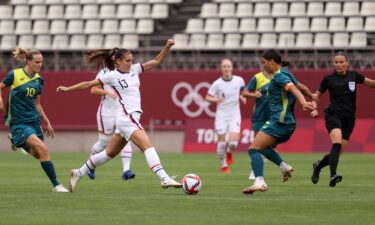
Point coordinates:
[[128, 175], [91, 174]]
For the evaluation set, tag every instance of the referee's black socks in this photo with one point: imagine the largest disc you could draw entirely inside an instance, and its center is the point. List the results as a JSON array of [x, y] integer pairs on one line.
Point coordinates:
[[334, 158]]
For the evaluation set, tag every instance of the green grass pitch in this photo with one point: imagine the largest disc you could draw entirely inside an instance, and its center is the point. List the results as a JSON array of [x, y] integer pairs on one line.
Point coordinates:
[[26, 197]]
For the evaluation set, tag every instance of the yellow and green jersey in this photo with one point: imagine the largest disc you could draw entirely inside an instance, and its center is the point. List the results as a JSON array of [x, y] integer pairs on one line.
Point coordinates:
[[24, 89]]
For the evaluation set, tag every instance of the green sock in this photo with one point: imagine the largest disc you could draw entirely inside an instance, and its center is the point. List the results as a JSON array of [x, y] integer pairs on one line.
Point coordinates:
[[256, 162], [272, 155], [50, 171]]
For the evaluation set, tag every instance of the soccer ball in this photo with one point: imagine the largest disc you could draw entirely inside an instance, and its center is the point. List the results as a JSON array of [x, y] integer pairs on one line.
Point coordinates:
[[191, 184]]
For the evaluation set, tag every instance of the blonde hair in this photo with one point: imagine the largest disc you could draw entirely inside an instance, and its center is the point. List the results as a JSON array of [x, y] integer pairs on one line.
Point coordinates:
[[22, 54]]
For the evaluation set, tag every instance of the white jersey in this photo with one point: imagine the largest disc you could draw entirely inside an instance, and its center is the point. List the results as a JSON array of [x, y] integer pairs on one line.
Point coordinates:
[[126, 86], [230, 91], [108, 106]]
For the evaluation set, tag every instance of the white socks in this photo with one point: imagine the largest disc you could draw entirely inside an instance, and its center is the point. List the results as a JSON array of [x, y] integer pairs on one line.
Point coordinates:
[[153, 162], [126, 156], [221, 153], [93, 162], [101, 144]]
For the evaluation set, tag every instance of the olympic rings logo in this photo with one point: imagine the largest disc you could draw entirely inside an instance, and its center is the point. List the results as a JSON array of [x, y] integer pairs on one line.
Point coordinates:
[[192, 96]]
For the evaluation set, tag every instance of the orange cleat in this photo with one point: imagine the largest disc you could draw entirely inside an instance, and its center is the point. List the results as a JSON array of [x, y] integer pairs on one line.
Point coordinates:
[[225, 170], [229, 158]]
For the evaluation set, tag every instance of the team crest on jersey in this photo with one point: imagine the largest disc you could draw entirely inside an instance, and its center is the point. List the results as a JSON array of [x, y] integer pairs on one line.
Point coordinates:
[[351, 86]]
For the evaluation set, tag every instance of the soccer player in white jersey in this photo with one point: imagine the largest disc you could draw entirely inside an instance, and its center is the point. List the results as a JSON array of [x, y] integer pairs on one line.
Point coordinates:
[[225, 92], [106, 119], [125, 82]]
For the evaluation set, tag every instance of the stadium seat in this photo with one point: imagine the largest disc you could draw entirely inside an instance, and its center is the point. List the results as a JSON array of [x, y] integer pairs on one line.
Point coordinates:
[[194, 25], [84, 2], [232, 41], [77, 42], [112, 40], [38, 12], [130, 41], [215, 41], [145, 26], [340, 40], [182, 41], [8, 42], [247, 25], [58, 27], [41, 27], [212, 25], [142, 11], [304, 40], [60, 42], [6, 26], [110, 27], [367, 8], [297, 9], [358, 39], [230, 25], [67, 2], [265, 25], [75, 27], [159, 11], [354, 24], [351, 8], [124, 11], [286, 40], [268, 40], [23, 27], [336, 24], [197, 41], [315, 9], [107, 11], [6, 12], [227, 10], [103, 1], [18, 2], [43, 42], [157, 1], [52, 2], [279, 9], [174, 1], [209, 10], [333, 9], [92, 27], [283, 24], [21, 12], [26, 41], [262, 9], [301, 24], [322, 40], [90, 11], [250, 41], [35, 2], [139, 1], [73, 12], [370, 24], [95, 41], [128, 26], [319, 24], [55, 12], [244, 9], [121, 1]]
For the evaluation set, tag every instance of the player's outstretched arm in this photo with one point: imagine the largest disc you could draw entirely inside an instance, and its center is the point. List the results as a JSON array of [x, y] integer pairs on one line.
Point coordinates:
[[79, 86], [43, 116], [2, 86], [251, 94], [299, 96], [369, 83], [98, 90], [160, 57]]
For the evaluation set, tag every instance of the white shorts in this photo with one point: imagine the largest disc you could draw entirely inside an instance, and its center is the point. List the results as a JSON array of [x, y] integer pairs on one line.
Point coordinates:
[[106, 124], [127, 124], [230, 125]]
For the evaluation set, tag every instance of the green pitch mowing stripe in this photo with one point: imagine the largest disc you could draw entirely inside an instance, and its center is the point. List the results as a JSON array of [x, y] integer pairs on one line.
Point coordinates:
[[26, 197]]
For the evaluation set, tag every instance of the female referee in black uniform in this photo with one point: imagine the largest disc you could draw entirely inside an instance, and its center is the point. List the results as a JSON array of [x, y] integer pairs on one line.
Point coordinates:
[[340, 113]]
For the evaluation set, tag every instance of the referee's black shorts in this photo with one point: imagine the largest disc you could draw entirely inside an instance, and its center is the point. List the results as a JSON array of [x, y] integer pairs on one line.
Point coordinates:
[[344, 122]]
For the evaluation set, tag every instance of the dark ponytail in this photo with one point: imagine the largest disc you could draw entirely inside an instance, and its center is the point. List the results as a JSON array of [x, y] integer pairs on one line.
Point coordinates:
[[104, 58], [276, 56]]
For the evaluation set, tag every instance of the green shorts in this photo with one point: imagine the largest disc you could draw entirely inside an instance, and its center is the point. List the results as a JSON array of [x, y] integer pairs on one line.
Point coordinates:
[[257, 125], [281, 131], [21, 132]]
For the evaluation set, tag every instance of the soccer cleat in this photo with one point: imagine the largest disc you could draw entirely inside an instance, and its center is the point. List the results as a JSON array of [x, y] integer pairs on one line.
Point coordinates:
[[286, 172], [255, 187], [128, 175], [225, 170], [169, 182], [74, 179], [60, 188], [229, 158], [91, 174], [334, 180], [316, 172]]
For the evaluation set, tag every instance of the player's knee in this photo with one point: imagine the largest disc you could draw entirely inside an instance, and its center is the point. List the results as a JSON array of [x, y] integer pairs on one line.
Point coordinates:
[[103, 141], [232, 145]]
